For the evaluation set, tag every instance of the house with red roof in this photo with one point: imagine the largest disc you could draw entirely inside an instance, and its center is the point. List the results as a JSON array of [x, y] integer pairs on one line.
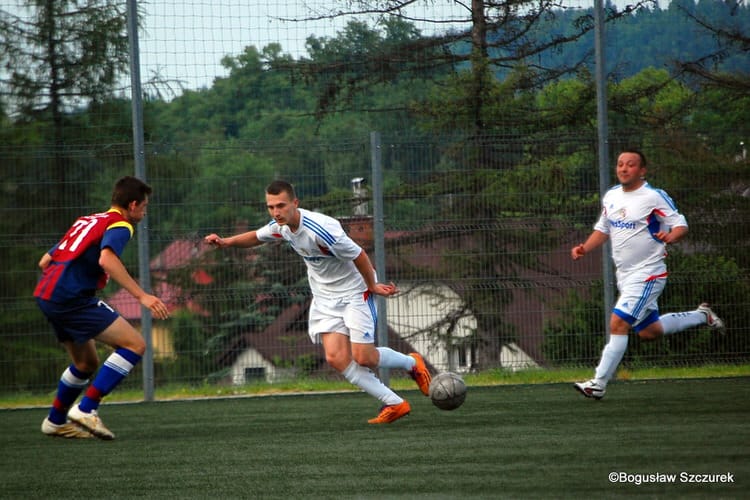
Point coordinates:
[[178, 254]]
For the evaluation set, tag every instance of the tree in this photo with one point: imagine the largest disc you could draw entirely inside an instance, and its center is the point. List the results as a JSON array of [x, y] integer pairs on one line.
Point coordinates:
[[59, 56], [728, 23], [63, 55], [480, 78], [488, 39]]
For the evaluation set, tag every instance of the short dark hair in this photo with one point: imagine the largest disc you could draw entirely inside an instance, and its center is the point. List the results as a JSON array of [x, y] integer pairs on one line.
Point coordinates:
[[636, 152], [278, 187], [129, 189]]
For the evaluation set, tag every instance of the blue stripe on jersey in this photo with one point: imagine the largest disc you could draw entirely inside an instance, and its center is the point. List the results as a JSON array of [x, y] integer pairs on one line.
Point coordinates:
[[667, 199], [318, 229], [664, 196]]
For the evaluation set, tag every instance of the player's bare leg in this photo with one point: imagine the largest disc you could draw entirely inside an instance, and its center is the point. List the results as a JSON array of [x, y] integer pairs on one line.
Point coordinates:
[[338, 351], [129, 347]]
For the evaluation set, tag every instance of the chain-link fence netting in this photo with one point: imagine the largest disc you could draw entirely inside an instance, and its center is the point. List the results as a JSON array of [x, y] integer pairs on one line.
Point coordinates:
[[477, 234], [486, 158]]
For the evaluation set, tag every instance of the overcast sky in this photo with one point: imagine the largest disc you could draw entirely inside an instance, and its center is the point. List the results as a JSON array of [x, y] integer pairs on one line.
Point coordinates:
[[183, 41], [186, 40]]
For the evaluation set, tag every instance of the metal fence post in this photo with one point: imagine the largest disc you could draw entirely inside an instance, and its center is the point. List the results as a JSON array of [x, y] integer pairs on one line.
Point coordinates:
[[379, 241], [139, 158], [603, 143]]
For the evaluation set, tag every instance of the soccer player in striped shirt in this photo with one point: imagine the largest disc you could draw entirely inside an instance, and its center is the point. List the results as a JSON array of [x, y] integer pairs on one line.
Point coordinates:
[[640, 221], [72, 271], [342, 280]]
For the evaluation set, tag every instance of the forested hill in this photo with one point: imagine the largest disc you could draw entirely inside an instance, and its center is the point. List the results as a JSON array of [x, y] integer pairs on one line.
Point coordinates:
[[655, 37]]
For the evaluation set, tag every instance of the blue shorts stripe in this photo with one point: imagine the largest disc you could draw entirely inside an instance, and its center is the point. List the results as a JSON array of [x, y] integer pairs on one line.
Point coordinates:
[[373, 307], [644, 298]]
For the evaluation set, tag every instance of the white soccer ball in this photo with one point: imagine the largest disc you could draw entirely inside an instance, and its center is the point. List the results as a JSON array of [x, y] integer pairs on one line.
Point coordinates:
[[447, 391]]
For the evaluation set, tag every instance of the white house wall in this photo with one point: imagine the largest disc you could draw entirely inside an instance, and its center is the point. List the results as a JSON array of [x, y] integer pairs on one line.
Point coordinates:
[[414, 312], [250, 358], [418, 310]]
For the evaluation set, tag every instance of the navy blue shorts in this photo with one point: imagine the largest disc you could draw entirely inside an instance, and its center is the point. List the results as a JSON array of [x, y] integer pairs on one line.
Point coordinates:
[[79, 321]]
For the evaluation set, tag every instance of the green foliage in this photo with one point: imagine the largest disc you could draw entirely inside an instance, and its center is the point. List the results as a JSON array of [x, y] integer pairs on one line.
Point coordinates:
[[653, 37], [215, 165], [569, 103], [19, 279], [552, 187], [577, 335], [193, 363], [303, 365], [23, 364], [721, 117], [465, 147], [344, 70], [650, 99], [247, 300], [67, 55]]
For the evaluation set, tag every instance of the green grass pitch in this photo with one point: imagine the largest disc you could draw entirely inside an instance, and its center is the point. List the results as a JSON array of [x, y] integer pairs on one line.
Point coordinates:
[[523, 441]]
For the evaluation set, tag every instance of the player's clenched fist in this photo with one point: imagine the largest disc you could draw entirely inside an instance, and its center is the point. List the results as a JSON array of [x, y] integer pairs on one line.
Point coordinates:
[[215, 240], [577, 252]]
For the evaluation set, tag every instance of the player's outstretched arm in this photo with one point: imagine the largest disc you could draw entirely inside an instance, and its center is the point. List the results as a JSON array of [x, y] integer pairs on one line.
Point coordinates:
[[113, 266], [243, 240]]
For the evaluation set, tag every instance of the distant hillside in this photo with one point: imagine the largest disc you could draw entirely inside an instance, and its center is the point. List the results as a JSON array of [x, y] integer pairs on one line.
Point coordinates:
[[654, 38]]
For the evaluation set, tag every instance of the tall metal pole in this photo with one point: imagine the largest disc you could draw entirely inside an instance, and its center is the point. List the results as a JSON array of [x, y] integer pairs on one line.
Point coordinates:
[[378, 228], [139, 157], [603, 148]]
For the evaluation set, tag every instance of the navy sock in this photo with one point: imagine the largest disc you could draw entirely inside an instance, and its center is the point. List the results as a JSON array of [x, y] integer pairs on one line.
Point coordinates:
[[72, 383], [116, 367]]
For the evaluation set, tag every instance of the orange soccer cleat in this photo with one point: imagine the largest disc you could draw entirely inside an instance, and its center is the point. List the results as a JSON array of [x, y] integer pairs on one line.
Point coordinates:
[[421, 374], [391, 413]]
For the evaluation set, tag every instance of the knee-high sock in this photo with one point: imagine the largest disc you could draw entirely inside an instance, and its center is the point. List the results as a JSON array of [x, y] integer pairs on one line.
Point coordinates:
[[394, 359], [72, 383], [117, 366], [367, 381], [611, 357], [677, 322]]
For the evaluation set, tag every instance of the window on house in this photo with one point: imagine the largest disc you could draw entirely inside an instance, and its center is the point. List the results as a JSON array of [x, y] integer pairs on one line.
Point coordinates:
[[461, 350], [255, 374]]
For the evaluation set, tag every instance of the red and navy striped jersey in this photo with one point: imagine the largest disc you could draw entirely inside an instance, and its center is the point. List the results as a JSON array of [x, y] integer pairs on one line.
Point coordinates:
[[75, 271]]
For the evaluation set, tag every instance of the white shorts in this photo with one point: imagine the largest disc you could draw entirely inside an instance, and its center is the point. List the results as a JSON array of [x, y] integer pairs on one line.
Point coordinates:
[[354, 316], [637, 303]]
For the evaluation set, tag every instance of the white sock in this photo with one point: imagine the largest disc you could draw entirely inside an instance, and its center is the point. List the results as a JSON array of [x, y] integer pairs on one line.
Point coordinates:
[[394, 359], [611, 356], [676, 322], [367, 381]]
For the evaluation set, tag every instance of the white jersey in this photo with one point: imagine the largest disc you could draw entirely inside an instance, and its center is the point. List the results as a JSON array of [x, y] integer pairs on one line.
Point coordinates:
[[327, 251], [631, 218]]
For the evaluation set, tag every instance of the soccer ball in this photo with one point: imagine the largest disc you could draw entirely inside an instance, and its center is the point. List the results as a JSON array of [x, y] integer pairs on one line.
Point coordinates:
[[447, 391]]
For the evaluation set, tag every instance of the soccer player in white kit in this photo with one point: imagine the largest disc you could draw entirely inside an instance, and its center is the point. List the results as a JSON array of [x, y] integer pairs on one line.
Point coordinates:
[[640, 221], [343, 281]]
